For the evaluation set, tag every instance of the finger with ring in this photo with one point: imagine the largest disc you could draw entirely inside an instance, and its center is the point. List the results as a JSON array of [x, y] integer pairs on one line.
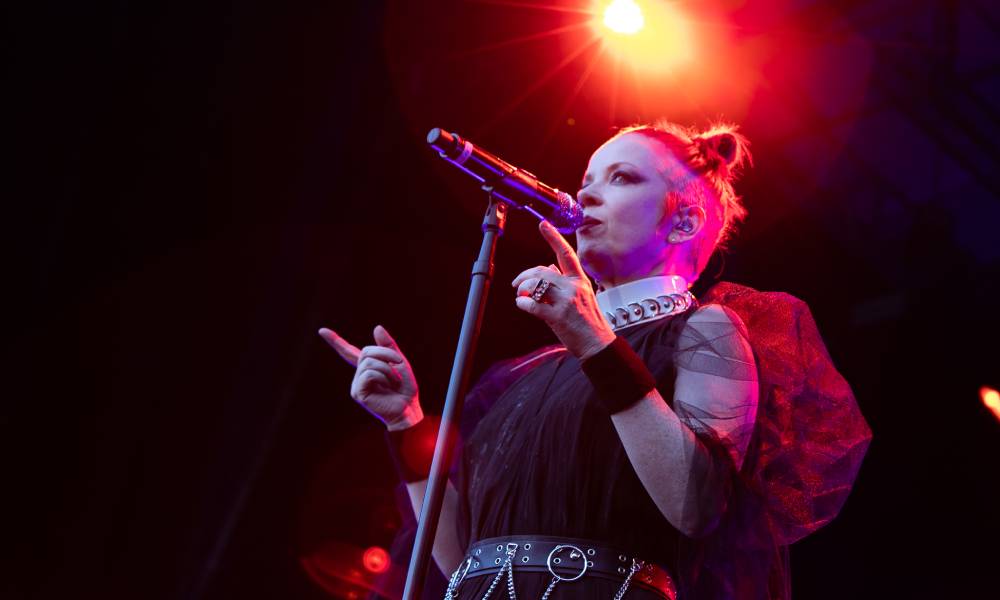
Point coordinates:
[[538, 294], [548, 273]]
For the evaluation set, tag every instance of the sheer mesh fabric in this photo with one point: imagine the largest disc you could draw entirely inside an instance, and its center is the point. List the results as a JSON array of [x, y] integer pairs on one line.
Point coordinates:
[[540, 457], [719, 348], [807, 445]]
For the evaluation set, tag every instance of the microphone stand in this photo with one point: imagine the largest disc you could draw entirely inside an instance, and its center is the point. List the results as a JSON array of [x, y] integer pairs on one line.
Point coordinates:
[[482, 274]]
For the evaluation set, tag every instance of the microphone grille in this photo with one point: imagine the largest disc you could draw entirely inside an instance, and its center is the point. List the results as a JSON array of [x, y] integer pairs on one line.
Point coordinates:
[[569, 216]]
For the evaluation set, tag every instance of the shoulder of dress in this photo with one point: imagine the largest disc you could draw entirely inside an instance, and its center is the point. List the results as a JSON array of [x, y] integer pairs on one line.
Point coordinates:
[[718, 319], [759, 309], [717, 314], [535, 358], [734, 295], [712, 312]]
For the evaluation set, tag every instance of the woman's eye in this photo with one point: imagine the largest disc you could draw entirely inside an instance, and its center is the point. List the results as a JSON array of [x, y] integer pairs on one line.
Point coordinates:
[[621, 177]]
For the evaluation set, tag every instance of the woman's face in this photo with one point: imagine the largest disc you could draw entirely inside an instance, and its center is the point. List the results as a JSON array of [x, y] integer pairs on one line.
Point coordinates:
[[624, 197]]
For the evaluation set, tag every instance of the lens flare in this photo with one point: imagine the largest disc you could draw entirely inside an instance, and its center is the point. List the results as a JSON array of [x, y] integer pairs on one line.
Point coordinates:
[[654, 37], [624, 16], [375, 559], [991, 400]]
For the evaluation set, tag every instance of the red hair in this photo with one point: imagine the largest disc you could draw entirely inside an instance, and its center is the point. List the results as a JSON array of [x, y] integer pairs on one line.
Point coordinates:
[[716, 157]]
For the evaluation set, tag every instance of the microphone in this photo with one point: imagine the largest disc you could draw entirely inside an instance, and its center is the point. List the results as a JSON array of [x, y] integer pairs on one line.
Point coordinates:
[[515, 187]]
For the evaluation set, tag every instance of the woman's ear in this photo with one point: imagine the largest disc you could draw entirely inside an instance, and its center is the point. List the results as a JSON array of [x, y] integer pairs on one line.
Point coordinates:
[[686, 223]]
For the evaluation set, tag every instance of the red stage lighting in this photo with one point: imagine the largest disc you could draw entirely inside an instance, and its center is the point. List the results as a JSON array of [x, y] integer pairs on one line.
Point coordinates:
[[375, 559], [648, 36], [346, 571], [991, 399]]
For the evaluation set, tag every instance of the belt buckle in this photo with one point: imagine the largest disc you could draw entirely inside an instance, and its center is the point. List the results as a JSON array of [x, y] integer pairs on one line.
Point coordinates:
[[575, 552]]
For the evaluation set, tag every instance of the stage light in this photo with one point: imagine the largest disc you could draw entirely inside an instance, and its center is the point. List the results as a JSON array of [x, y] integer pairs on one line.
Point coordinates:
[[991, 399], [375, 559], [624, 16], [651, 37]]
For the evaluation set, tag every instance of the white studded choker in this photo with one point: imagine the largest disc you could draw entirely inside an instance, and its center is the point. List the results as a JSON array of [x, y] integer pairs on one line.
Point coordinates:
[[645, 300]]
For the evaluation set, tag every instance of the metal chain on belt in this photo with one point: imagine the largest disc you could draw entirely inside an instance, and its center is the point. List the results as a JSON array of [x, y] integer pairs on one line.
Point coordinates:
[[636, 566], [510, 573], [508, 568], [552, 585]]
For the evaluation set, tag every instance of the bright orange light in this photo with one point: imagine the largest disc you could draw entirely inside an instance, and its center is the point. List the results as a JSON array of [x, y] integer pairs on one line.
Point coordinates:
[[375, 559], [623, 16], [653, 37], [991, 399]]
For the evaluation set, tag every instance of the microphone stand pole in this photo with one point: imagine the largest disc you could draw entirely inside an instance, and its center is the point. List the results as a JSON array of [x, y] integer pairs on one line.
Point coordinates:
[[482, 273]]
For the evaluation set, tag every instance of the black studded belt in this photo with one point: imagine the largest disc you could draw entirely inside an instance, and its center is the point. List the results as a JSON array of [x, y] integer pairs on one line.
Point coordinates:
[[566, 559]]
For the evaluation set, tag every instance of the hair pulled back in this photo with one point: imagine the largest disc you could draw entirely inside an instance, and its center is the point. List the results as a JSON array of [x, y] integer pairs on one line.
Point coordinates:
[[715, 157]]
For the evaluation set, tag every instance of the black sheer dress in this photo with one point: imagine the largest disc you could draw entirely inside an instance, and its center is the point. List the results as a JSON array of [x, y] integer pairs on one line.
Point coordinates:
[[541, 457]]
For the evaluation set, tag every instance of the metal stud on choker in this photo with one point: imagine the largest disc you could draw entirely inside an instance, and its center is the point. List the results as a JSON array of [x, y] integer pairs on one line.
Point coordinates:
[[649, 309]]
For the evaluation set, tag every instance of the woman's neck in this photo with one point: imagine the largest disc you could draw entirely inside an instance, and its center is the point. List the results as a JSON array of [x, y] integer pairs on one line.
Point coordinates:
[[672, 264]]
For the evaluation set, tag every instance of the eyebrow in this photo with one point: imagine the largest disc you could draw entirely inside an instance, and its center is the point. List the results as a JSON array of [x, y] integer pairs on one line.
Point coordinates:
[[590, 177]]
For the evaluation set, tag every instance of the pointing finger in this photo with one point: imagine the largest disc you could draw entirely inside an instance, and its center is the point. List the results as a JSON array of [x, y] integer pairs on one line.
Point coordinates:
[[382, 338], [569, 264], [345, 349]]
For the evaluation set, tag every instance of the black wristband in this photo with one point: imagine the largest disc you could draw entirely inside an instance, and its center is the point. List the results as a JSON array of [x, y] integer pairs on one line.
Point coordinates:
[[618, 375], [412, 449]]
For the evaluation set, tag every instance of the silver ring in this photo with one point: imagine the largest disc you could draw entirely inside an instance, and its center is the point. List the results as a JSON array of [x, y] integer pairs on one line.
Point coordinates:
[[541, 287], [560, 548]]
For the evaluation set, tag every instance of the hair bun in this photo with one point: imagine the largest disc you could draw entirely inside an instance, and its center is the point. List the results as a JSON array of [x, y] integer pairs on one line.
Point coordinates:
[[725, 145], [723, 150]]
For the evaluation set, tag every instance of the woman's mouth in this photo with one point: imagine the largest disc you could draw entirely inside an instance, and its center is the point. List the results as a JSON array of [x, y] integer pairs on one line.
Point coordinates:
[[588, 224]]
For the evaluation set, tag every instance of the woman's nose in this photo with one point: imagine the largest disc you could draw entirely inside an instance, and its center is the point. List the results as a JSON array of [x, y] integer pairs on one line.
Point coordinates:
[[588, 196]]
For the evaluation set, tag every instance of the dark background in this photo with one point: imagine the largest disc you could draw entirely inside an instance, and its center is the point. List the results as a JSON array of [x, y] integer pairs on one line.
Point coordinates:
[[196, 187]]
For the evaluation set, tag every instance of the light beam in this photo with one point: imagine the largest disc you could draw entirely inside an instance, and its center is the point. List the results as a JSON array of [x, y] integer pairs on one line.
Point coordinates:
[[653, 37]]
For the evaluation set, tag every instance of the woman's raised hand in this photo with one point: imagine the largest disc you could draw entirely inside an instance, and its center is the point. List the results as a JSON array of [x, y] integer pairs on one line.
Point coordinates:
[[383, 382], [569, 305]]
